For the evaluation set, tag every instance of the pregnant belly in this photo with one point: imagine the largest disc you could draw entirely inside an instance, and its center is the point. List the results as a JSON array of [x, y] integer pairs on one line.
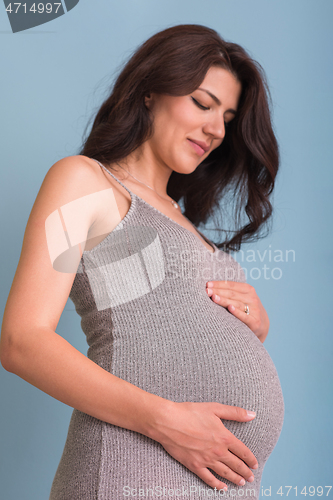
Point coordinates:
[[208, 356]]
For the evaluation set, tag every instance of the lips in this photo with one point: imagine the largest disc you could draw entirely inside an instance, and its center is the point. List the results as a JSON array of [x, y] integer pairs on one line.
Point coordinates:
[[200, 147]]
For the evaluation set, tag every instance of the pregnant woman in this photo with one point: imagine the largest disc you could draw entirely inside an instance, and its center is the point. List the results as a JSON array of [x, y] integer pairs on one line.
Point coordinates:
[[177, 397]]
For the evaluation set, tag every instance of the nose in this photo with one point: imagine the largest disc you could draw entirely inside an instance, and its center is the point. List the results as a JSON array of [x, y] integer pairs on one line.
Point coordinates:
[[215, 127]]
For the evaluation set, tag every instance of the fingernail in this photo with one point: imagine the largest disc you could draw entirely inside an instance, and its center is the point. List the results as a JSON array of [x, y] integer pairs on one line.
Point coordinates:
[[232, 308], [216, 297], [255, 466], [241, 482], [251, 413], [250, 479], [209, 290], [209, 284]]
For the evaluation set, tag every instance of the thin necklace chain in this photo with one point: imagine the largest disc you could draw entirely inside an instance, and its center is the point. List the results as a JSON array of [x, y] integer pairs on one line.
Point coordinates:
[[171, 201]]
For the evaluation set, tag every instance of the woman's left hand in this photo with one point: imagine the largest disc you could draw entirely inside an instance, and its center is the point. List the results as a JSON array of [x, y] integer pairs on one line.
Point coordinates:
[[234, 296]]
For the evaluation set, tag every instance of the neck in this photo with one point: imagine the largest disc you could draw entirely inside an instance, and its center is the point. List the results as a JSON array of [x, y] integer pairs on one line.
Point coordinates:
[[143, 165]]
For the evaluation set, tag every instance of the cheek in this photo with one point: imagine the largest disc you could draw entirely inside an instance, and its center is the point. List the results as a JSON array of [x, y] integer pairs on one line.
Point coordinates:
[[178, 110], [183, 115], [173, 121]]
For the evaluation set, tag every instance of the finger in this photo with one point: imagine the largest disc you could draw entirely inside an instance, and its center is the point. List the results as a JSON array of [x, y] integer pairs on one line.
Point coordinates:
[[236, 308], [229, 295], [234, 470], [226, 301], [248, 319], [234, 445], [210, 479], [241, 451], [229, 412], [230, 285]]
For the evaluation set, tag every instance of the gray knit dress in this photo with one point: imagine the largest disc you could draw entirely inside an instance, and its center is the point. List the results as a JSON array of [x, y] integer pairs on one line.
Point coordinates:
[[141, 295]]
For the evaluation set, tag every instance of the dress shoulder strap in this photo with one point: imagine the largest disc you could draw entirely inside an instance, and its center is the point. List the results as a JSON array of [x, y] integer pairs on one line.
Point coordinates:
[[130, 192]]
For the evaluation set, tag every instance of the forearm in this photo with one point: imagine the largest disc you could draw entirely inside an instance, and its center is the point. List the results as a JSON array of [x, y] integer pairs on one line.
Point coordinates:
[[47, 361]]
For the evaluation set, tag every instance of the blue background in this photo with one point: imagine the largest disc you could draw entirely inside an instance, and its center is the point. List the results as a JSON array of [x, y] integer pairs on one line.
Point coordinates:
[[55, 76]]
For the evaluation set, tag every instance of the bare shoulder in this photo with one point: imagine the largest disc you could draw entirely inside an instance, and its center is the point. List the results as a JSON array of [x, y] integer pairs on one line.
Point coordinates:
[[73, 164], [73, 172], [69, 180], [89, 202]]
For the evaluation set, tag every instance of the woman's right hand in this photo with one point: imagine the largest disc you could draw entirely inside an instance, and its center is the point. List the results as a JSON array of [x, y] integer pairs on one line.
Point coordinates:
[[194, 435]]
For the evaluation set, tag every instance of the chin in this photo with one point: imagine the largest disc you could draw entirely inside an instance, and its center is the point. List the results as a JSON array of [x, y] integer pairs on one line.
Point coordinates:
[[186, 169]]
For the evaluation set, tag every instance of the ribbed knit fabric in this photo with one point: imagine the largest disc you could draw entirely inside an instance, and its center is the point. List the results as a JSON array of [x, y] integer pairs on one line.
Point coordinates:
[[141, 294]]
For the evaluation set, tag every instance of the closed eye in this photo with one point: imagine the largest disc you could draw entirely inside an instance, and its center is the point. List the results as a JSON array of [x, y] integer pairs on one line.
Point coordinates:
[[198, 104], [205, 108]]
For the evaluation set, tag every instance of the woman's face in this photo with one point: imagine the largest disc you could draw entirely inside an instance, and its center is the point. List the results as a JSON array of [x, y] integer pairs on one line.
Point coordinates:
[[188, 128]]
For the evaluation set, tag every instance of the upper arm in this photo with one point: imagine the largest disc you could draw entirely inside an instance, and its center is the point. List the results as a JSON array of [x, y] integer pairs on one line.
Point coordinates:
[[60, 219]]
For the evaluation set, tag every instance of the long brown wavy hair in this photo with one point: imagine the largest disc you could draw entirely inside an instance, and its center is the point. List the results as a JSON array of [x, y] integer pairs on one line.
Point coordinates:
[[241, 171]]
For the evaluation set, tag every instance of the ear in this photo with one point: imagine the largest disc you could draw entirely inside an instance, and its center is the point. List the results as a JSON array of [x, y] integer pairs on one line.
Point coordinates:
[[148, 100]]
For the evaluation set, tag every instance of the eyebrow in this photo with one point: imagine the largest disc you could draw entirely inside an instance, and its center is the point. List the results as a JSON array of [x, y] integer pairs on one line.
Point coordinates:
[[216, 100]]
